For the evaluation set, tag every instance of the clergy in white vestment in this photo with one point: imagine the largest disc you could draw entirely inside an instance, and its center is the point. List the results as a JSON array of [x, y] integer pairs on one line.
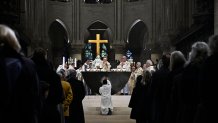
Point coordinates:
[[86, 65], [124, 66], [96, 64], [106, 101], [149, 66], [132, 79], [79, 74], [139, 70], [106, 66]]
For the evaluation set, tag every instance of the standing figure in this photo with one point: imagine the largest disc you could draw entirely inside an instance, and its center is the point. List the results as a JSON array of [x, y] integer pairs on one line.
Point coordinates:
[[124, 66], [79, 73], [19, 85], [106, 102], [139, 98], [149, 66], [68, 94], [207, 86], [50, 111], [139, 70], [105, 65], [132, 80], [86, 66], [96, 64], [189, 84], [76, 107]]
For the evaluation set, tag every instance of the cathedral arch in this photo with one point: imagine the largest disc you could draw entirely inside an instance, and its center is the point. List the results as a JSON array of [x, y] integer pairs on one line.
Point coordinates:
[[60, 43], [97, 27], [137, 38]]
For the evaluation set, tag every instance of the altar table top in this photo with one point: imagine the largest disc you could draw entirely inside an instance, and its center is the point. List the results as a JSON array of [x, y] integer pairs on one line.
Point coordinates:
[[94, 80]]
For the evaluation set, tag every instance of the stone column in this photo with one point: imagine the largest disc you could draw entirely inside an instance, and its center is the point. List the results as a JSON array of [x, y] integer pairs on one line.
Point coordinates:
[[78, 20], [73, 21], [216, 17], [118, 21]]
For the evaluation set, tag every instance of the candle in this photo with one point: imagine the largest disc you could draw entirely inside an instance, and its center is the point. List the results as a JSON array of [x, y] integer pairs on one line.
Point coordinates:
[[63, 64], [75, 62]]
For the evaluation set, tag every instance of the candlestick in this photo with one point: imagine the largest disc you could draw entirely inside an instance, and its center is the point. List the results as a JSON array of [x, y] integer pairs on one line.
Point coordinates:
[[63, 64], [75, 64]]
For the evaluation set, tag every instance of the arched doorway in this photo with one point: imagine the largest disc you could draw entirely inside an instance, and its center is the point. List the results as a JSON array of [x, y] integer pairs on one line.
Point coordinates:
[[59, 38], [105, 32], [136, 40]]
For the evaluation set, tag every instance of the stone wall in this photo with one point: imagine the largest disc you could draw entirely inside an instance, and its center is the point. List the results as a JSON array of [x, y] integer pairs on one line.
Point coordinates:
[[118, 16], [162, 18]]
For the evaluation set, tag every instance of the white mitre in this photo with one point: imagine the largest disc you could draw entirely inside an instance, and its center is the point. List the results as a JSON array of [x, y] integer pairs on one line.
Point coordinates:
[[97, 61]]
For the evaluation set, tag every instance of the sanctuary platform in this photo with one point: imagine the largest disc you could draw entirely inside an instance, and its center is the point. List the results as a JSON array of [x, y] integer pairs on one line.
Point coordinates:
[[120, 114]]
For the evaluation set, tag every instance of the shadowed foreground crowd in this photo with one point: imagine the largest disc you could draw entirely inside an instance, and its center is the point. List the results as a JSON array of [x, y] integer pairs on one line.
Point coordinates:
[[31, 91], [179, 91]]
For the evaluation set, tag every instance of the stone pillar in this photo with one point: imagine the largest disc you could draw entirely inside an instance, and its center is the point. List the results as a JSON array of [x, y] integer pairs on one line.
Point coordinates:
[[118, 21], [78, 20], [76, 32], [73, 21], [216, 17]]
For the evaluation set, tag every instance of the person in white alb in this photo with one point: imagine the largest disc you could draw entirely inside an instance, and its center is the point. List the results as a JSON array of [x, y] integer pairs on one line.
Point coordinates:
[[106, 101], [131, 81], [86, 65]]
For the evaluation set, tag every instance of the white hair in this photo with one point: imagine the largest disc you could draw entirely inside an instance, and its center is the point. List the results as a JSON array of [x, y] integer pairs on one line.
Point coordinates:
[[149, 62], [199, 50], [177, 59], [8, 37], [139, 63]]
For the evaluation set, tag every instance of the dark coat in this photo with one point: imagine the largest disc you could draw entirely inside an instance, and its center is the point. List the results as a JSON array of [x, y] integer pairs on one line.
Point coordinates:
[[19, 89], [50, 112], [171, 90], [208, 92], [188, 95], [158, 94], [138, 102], [76, 106]]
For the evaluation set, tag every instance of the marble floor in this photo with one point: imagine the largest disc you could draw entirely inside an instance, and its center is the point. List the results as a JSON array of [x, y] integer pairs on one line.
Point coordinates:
[[120, 114]]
